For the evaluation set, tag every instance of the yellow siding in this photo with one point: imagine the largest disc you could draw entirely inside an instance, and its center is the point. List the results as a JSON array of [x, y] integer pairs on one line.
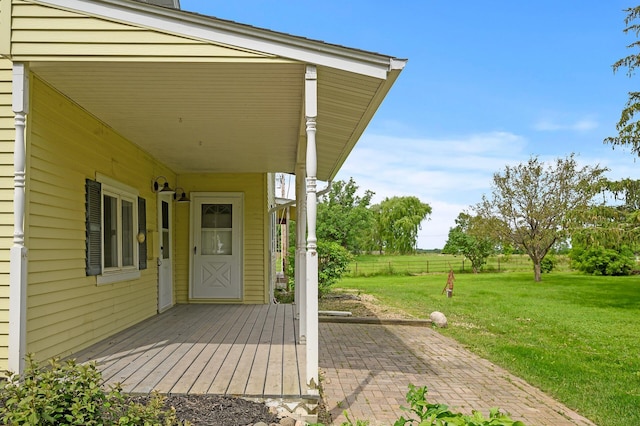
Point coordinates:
[[5, 27], [66, 309], [80, 37], [255, 270], [7, 135]]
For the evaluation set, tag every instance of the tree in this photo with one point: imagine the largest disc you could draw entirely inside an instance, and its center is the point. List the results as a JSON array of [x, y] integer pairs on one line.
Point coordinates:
[[469, 239], [533, 206], [615, 222], [344, 217], [397, 221], [628, 126]]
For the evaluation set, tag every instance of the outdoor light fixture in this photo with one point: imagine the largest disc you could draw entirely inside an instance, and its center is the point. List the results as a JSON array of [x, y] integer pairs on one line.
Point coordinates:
[[165, 188], [182, 194]]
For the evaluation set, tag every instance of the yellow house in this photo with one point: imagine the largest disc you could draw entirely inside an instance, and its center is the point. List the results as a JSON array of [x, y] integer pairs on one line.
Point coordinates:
[[139, 146]]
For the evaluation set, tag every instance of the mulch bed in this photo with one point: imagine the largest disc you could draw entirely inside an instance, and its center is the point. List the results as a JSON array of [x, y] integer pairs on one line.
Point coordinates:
[[213, 410]]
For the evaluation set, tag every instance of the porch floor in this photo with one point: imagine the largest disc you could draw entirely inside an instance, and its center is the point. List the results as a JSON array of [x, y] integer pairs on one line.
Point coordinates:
[[236, 350]]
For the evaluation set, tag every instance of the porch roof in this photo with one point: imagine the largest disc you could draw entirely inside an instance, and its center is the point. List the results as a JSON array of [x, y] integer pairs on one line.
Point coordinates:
[[214, 113]]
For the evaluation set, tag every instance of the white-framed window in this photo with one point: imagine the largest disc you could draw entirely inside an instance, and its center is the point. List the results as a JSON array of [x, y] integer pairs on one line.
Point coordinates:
[[113, 247]]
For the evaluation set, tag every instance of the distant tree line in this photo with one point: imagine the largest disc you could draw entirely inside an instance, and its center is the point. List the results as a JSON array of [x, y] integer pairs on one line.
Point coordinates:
[[353, 222]]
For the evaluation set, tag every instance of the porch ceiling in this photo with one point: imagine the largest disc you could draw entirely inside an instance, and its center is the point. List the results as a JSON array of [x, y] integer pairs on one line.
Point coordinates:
[[220, 117]]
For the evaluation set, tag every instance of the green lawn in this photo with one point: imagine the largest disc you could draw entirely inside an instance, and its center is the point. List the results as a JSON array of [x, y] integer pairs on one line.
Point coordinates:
[[366, 265], [576, 337]]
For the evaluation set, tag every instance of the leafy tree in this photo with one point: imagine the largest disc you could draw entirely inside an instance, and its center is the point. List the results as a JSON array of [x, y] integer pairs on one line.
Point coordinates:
[[469, 239], [615, 222], [397, 221], [628, 126], [533, 206], [344, 217]]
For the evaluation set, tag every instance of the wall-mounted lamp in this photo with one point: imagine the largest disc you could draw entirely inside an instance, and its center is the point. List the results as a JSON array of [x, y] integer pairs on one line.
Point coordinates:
[[165, 188], [181, 196]]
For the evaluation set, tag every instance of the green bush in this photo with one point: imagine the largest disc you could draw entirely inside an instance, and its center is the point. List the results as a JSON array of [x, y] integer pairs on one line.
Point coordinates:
[[333, 262], [547, 264], [598, 260], [71, 394]]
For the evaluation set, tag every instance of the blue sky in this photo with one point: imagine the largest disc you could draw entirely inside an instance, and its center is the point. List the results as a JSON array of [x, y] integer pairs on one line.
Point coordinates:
[[487, 84]]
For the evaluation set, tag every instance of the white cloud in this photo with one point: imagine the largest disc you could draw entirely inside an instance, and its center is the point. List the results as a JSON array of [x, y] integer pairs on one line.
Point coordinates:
[[551, 125], [448, 174]]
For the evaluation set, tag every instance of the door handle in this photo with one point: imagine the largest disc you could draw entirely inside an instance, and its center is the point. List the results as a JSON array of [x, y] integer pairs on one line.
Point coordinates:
[[195, 250]]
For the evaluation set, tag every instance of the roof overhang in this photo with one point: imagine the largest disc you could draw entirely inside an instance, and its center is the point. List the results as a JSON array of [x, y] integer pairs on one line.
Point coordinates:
[[214, 114]]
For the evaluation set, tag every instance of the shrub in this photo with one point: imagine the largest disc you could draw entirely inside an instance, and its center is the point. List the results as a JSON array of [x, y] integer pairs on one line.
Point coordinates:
[[598, 260], [333, 262], [547, 264], [71, 394]]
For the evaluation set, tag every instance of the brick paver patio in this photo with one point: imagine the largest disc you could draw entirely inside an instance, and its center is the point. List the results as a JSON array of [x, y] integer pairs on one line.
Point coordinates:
[[367, 368]]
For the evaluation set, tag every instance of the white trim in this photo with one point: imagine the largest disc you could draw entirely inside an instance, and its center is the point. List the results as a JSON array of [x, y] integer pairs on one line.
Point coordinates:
[[168, 198], [116, 189], [17, 342], [301, 265], [220, 196], [311, 285], [114, 277], [116, 184], [235, 34]]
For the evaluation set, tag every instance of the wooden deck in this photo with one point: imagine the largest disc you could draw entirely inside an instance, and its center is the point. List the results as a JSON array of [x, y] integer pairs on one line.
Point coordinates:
[[235, 350]]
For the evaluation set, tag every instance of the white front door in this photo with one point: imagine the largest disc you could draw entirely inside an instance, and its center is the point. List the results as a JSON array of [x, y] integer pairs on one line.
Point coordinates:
[[216, 245], [165, 259]]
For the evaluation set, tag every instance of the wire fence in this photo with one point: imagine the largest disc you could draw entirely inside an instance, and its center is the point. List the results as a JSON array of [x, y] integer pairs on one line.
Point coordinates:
[[414, 266]]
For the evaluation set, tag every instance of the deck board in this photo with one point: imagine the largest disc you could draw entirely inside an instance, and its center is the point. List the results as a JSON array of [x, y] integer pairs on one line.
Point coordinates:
[[290, 373], [206, 349], [238, 383], [273, 382], [220, 384], [146, 378], [255, 384], [237, 350]]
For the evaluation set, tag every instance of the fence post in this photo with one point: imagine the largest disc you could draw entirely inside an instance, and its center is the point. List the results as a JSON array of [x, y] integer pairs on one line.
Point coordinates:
[[462, 265], [498, 264], [356, 274], [427, 266]]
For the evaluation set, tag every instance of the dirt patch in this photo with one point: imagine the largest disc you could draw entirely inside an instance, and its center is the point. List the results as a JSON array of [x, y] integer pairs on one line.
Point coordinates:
[[360, 305]]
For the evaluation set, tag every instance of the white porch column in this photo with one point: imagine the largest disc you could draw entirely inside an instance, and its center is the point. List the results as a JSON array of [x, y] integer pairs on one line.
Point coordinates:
[[311, 113], [18, 268], [301, 252]]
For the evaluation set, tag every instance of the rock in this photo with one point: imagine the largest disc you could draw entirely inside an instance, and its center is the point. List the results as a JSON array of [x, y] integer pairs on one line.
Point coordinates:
[[260, 424], [438, 319], [287, 421]]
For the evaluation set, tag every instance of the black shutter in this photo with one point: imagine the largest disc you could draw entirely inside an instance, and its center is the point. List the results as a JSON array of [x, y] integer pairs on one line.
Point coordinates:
[[93, 205], [142, 230]]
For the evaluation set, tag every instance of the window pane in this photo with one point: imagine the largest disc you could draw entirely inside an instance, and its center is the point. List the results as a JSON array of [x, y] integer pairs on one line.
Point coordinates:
[[217, 215], [110, 232], [127, 233], [216, 242], [165, 244], [165, 215]]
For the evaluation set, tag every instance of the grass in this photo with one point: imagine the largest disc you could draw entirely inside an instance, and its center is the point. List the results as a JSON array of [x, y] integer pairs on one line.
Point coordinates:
[[574, 336], [368, 265]]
